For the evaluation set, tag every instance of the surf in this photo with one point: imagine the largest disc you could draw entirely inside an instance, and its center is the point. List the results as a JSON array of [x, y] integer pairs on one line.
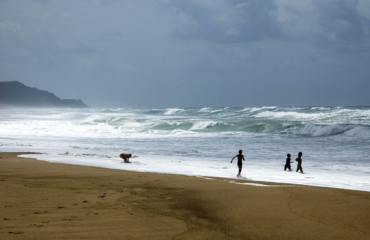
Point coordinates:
[[200, 141]]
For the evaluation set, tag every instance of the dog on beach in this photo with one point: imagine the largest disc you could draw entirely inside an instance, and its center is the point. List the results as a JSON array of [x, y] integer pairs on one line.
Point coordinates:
[[126, 157]]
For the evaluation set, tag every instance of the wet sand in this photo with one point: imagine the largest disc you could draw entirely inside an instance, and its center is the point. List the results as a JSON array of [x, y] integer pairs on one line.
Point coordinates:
[[42, 200]]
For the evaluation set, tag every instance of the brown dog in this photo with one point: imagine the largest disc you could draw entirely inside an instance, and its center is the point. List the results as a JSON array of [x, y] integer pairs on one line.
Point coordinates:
[[125, 156]]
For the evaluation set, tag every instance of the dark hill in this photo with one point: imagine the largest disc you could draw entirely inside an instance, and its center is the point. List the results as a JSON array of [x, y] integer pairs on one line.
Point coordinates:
[[17, 94]]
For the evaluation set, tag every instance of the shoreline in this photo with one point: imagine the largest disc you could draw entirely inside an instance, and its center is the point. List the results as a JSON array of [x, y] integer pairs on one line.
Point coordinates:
[[230, 180], [40, 198], [206, 176]]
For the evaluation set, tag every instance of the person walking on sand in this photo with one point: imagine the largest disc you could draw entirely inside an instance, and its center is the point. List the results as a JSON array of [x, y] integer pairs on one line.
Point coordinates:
[[240, 163], [299, 160], [287, 163]]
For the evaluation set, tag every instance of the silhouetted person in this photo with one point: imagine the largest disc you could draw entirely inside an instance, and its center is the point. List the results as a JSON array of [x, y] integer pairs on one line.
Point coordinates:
[[287, 163], [125, 156], [299, 160], [240, 163]]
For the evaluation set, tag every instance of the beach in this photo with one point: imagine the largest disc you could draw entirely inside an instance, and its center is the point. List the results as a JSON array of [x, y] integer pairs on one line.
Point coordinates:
[[40, 200], [201, 141]]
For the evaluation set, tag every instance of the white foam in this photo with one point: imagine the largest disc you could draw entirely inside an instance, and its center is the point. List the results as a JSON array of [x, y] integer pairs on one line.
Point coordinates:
[[339, 116], [217, 111], [191, 143], [245, 110], [171, 111], [292, 115], [320, 108], [261, 185], [217, 168], [205, 110], [202, 125], [262, 108]]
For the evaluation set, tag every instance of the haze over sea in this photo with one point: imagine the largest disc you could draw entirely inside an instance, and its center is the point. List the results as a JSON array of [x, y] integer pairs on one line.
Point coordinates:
[[201, 141]]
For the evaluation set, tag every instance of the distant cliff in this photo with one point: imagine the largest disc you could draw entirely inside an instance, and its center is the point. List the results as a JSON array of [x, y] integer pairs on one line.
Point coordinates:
[[17, 94]]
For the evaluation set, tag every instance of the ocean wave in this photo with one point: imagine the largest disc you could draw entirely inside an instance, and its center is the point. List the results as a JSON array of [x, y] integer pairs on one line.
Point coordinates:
[[171, 125], [359, 133], [244, 110], [255, 128], [318, 131], [213, 110], [67, 116], [209, 126], [292, 115], [309, 121], [217, 111], [114, 120], [154, 111], [318, 115], [96, 118], [112, 110], [203, 125], [321, 108], [263, 108], [171, 111], [205, 110]]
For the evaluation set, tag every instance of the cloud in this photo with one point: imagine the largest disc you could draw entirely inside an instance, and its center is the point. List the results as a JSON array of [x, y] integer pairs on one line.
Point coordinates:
[[323, 22], [232, 32], [329, 22], [9, 26], [363, 8], [227, 22], [186, 52]]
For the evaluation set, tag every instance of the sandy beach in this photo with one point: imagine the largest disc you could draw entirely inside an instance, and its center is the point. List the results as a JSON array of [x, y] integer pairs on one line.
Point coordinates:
[[42, 200]]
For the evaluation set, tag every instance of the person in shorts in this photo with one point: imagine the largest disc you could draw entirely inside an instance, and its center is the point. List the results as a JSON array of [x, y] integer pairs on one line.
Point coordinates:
[[287, 163]]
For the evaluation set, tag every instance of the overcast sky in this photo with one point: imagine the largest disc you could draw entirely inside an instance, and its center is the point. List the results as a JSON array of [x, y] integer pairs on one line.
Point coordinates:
[[190, 53]]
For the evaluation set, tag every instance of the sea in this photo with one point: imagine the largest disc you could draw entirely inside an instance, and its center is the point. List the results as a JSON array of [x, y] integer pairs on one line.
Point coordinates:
[[335, 141]]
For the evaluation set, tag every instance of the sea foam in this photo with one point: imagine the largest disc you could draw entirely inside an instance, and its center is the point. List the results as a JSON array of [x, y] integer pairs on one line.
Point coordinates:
[[201, 141]]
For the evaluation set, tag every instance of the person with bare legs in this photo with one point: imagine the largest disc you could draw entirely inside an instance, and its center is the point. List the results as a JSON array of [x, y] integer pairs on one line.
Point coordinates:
[[299, 160], [240, 163], [287, 163]]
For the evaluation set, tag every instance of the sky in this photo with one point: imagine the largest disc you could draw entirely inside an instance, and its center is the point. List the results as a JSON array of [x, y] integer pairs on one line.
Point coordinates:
[[190, 53]]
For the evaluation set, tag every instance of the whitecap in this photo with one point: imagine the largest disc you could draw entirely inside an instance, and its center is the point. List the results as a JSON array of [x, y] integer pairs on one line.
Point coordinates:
[[204, 110], [171, 111], [202, 125], [216, 111], [263, 108], [292, 115]]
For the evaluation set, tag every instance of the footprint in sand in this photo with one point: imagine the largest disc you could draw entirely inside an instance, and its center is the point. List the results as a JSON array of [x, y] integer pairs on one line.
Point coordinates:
[[103, 195]]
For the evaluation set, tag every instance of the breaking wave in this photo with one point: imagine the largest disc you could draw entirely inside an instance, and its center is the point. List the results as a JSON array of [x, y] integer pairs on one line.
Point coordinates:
[[171, 111], [334, 140], [318, 131], [307, 122]]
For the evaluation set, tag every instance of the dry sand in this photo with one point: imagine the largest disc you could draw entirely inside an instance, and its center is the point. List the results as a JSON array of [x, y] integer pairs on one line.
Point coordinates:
[[42, 200]]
